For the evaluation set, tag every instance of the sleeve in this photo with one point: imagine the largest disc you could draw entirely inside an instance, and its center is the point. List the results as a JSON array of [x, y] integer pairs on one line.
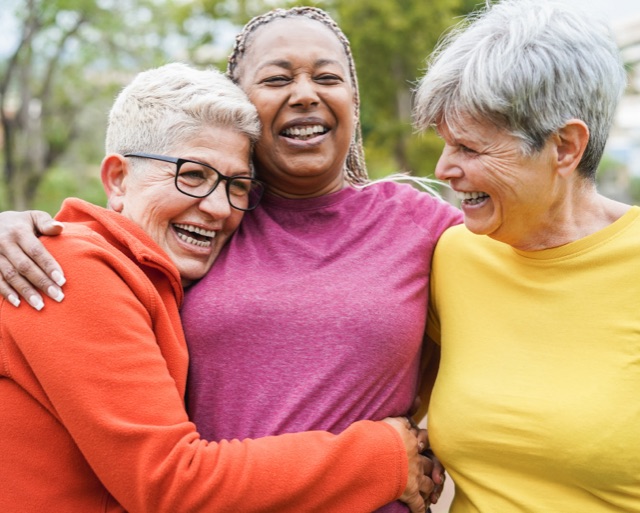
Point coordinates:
[[96, 358]]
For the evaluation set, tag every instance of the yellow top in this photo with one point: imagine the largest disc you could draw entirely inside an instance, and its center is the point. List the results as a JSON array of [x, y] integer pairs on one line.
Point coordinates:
[[537, 403]]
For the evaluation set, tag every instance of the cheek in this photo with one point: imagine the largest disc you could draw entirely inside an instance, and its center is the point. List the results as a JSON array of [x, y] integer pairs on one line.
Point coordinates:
[[234, 221]]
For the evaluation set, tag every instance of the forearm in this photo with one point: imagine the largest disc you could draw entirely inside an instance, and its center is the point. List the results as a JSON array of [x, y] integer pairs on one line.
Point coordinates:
[[101, 371]]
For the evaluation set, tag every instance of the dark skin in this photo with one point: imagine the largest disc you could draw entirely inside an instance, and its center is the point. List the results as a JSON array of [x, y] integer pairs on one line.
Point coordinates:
[[27, 270], [311, 85]]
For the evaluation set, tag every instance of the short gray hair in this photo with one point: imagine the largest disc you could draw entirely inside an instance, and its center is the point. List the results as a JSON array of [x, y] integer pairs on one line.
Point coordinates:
[[526, 66], [165, 107]]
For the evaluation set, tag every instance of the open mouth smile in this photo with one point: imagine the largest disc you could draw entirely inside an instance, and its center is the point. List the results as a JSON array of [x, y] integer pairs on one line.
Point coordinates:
[[302, 133], [194, 235], [471, 198]]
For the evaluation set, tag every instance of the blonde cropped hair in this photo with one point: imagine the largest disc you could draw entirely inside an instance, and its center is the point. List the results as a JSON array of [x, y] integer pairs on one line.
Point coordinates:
[[164, 108]]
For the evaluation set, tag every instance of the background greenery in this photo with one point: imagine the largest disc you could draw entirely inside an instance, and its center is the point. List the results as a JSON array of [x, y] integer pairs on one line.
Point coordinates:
[[63, 61]]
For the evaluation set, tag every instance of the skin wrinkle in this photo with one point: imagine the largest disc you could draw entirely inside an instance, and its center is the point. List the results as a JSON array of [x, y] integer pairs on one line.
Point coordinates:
[[355, 166]]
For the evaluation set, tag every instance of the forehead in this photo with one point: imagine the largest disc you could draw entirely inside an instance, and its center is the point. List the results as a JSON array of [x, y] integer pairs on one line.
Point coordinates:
[[302, 38]]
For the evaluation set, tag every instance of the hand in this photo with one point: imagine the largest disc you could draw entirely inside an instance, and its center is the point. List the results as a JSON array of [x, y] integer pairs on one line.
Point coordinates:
[[437, 476], [24, 262], [419, 484], [437, 470]]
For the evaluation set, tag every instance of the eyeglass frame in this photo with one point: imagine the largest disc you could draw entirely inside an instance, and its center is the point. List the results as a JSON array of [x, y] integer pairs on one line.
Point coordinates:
[[221, 177]]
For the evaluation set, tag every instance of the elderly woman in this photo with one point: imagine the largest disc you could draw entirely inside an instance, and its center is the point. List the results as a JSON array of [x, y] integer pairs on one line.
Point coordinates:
[[91, 392], [535, 299], [327, 327]]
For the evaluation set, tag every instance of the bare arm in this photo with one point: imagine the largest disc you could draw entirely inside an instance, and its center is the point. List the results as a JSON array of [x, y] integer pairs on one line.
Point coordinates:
[[25, 264]]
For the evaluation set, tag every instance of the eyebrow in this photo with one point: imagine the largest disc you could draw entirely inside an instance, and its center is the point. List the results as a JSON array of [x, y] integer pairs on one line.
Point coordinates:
[[285, 64]]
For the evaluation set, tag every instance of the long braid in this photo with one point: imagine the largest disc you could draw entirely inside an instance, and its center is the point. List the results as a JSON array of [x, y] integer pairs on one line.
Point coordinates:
[[356, 169]]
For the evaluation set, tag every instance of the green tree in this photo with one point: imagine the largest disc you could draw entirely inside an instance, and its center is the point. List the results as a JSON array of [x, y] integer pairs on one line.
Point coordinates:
[[391, 42], [69, 56]]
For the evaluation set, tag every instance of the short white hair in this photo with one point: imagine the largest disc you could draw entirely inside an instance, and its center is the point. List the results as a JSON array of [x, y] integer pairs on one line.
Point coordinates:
[[526, 66], [163, 108]]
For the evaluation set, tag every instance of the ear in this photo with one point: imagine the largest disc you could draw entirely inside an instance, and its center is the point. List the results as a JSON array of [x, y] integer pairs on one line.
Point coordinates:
[[571, 142], [113, 172]]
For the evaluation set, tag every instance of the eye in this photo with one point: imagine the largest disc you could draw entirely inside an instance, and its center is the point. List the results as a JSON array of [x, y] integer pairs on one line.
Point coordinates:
[[240, 186], [329, 79], [277, 80], [466, 149], [192, 174]]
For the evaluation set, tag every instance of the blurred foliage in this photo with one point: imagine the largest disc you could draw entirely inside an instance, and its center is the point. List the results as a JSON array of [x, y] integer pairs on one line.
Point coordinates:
[[69, 58]]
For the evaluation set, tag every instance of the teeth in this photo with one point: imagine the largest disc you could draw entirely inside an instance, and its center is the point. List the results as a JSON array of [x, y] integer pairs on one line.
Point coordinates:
[[190, 240], [304, 131], [471, 198], [462, 196], [196, 229]]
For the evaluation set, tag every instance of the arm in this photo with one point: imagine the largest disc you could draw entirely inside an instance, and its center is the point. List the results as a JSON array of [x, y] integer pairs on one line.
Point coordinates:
[[24, 261], [107, 380]]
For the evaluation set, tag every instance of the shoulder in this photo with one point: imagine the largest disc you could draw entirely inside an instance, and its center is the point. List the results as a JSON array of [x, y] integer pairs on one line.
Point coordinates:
[[414, 203], [96, 265]]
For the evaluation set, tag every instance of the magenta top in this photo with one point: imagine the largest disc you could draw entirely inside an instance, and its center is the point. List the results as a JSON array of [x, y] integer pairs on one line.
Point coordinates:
[[313, 315]]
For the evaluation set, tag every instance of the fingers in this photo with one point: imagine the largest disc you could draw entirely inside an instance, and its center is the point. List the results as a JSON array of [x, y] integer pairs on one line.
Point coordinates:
[[44, 224], [25, 265], [438, 478], [416, 504], [13, 284]]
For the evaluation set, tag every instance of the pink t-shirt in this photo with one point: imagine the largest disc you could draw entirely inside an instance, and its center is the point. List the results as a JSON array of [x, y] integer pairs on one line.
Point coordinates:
[[313, 315]]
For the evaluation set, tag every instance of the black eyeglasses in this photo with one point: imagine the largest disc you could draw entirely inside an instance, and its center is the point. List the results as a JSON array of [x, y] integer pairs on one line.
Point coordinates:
[[198, 180]]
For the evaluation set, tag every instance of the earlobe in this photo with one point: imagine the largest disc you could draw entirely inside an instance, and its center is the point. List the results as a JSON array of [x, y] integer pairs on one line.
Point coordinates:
[[571, 140], [113, 172]]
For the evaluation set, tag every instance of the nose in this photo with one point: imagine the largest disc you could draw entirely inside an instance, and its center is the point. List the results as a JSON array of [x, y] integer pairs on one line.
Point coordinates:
[[447, 168], [304, 92], [216, 204]]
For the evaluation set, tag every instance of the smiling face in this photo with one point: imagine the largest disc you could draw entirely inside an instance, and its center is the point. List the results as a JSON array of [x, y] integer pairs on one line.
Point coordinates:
[[504, 194], [192, 231], [295, 72]]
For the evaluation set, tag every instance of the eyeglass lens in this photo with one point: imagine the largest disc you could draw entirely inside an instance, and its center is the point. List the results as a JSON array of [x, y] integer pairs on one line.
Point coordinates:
[[198, 180]]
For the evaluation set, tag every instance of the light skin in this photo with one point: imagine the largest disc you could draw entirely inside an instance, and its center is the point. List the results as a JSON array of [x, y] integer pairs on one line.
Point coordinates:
[[296, 90], [296, 73], [151, 200], [531, 202]]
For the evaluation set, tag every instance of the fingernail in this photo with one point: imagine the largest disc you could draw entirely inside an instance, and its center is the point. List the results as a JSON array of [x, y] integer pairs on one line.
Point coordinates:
[[57, 223], [36, 302], [421, 446], [14, 300], [55, 294], [58, 278]]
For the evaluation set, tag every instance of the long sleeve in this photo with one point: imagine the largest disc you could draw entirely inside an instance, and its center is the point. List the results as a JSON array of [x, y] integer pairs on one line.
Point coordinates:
[[106, 368]]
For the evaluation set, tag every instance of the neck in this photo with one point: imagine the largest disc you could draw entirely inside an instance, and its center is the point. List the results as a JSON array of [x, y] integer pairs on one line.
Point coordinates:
[[305, 191], [581, 214]]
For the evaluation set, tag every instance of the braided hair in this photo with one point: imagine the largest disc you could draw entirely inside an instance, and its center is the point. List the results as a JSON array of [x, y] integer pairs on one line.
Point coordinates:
[[356, 170]]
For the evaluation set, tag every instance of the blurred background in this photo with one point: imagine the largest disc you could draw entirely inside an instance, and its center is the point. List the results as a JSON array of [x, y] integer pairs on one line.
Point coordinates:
[[63, 61]]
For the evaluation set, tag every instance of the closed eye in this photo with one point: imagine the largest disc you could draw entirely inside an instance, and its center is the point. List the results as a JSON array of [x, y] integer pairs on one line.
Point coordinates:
[[329, 79], [276, 80]]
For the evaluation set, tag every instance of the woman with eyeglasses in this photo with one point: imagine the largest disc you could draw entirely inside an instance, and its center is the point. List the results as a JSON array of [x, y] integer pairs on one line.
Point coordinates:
[[314, 314], [92, 415]]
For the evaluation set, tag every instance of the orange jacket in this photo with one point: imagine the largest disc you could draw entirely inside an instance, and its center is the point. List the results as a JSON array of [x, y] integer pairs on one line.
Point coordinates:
[[92, 416]]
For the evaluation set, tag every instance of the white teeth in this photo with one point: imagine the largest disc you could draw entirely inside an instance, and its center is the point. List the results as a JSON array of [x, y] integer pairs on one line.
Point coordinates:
[[196, 229], [462, 196], [304, 131], [189, 240]]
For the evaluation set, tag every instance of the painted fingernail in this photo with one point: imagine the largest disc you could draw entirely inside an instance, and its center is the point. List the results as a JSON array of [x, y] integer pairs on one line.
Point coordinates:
[[36, 302], [55, 294], [421, 446], [57, 223], [14, 300], [58, 277]]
